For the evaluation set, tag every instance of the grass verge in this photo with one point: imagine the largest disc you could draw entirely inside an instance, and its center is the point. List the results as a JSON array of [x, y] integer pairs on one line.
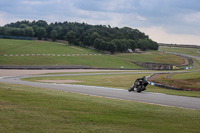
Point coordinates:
[[28, 109]]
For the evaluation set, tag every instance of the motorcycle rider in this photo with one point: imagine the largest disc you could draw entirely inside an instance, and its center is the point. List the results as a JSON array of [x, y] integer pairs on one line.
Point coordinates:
[[139, 85]]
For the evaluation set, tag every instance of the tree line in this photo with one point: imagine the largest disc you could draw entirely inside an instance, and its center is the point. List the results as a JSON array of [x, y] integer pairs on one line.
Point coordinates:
[[101, 37]]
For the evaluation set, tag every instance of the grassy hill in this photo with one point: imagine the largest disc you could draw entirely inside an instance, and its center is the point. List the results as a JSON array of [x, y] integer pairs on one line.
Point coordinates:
[[9, 46], [26, 52], [21, 52]]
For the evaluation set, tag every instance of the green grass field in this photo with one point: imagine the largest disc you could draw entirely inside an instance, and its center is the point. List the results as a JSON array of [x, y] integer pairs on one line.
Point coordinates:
[[16, 48], [27, 109]]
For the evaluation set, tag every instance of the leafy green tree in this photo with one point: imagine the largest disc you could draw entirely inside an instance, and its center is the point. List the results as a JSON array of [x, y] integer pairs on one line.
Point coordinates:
[[41, 23], [93, 36], [22, 32], [120, 46], [41, 33], [7, 31], [143, 44], [125, 45], [111, 47], [49, 29], [103, 45], [29, 31], [70, 37], [23, 26], [153, 45], [54, 35], [3, 30], [85, 40], [35, 30], [97, 43], [84, 34], [59, 30], [132, 44], [85, 37], [15, 31]]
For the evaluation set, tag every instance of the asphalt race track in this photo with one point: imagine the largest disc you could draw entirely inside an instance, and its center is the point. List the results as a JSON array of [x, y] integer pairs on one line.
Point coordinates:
[[144, 97]]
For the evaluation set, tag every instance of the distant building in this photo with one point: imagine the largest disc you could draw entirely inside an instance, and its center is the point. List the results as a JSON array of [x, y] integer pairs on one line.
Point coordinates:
[[137, 50], [130, 51]]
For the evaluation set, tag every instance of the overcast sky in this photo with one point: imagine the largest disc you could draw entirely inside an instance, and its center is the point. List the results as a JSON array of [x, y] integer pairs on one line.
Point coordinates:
[[165, 21]]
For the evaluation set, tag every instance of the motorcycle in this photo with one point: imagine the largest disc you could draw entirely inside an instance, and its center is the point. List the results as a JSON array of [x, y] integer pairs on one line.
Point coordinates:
[[139, 85]]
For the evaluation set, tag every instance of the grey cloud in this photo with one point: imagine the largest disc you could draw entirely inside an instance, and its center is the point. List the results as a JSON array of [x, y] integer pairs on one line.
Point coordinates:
[[168, 14]]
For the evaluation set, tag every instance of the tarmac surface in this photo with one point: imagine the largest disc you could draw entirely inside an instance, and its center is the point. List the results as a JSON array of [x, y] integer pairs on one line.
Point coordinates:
[[144, 97]]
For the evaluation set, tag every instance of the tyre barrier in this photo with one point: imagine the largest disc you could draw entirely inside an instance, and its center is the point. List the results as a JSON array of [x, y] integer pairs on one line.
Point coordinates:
[[189, 67], [183, 68]]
